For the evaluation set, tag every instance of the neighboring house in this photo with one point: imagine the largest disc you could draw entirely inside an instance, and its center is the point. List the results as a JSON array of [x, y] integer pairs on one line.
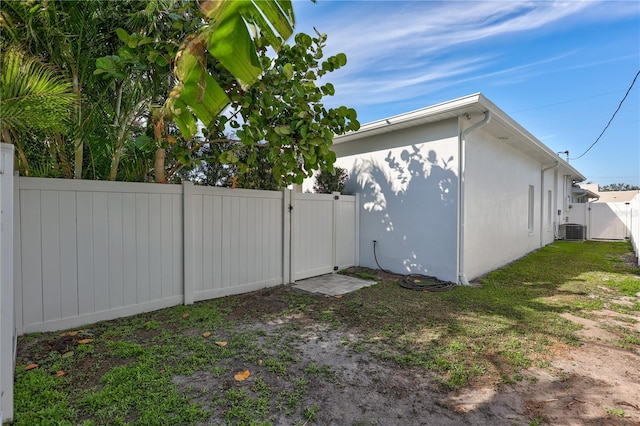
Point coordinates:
[[582, 194], [454, 190], [609, 196]]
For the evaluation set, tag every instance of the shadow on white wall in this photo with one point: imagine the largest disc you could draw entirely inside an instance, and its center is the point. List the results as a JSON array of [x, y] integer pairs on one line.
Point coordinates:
[[409, 203]]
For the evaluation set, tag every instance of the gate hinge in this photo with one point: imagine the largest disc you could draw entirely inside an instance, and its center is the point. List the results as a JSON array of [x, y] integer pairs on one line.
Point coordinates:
[[336, 197], [290, 208], [335, 268]]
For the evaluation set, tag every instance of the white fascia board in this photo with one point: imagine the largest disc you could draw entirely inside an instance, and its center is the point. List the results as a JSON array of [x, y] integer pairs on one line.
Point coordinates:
[[412, 118], [475, 103]]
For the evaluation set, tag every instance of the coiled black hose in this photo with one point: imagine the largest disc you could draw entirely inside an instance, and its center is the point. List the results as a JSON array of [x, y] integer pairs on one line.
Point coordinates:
[[421, 282], [417, 282]]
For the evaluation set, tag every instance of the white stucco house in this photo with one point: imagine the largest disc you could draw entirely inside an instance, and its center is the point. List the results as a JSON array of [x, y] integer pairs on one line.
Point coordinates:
[[454, 190]]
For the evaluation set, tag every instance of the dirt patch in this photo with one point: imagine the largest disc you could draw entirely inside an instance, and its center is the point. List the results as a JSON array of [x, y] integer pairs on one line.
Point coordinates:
[[597, 383], [594, 384]]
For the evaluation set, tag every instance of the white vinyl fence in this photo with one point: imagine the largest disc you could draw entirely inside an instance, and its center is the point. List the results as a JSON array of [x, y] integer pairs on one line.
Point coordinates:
[[320, 221], [236, 241], [77, 252], [634, 224], [7, 331], [609, 221], [88, 251]]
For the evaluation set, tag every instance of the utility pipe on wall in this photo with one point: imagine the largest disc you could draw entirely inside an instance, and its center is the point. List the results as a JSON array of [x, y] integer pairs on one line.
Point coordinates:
[[462, 148]]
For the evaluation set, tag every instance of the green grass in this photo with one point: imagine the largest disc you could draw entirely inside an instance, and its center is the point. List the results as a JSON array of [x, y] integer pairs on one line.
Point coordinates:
[[614, 412], [470, 335], [493, 332]]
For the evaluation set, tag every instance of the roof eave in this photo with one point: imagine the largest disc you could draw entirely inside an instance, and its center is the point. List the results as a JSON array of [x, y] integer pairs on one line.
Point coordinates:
[[475, 103]]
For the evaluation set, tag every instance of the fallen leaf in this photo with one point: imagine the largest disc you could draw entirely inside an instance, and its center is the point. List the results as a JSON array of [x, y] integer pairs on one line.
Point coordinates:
[[185, 315], [338, 296], [67, 354], [221, 344], [162, 371], [242, 375], [260, 362], [206, 334], [31, 367], [84, 341], [60, 373]]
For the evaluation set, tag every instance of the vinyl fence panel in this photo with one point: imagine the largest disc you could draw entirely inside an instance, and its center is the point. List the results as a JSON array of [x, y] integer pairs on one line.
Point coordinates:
[[312, 235], [89, 251], [96, 250], [346, 231], [324, 233], [609, 221], [237, 240]]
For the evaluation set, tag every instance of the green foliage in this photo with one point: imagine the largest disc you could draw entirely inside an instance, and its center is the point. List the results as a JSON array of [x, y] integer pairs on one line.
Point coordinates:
[[34, 100], [618, 187], [327, 182], [226, 37], [218, 165], [32, 95], [135, 121], [282, 118], [283, 132]]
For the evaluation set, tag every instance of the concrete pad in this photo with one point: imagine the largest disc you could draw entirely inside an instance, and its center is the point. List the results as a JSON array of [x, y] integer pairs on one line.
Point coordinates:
[[332, 284]]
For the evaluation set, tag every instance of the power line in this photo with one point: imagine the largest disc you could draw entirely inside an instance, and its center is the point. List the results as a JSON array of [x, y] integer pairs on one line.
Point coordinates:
[[612, 117]]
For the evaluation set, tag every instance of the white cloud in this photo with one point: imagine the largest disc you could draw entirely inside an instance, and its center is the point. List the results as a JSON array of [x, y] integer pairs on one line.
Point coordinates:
[[397, 50], [371, 34]]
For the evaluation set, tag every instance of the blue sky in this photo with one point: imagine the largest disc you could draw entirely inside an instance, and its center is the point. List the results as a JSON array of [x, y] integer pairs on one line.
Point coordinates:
[[560, 69]]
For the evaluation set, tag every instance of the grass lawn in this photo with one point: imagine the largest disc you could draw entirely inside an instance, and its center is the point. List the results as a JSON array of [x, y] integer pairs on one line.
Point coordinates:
[[237, 360]]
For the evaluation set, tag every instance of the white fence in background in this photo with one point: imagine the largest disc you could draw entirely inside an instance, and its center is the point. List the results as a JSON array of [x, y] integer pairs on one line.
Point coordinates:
[[634, 224], [89, 251], [609, 221]]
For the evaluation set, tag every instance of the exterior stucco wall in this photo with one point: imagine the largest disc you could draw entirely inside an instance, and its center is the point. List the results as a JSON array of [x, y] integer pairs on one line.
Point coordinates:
[[564, 198], [408, 185], [497, 228]]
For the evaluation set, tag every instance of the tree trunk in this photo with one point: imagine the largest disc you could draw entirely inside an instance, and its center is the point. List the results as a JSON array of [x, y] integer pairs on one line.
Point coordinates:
[[158, 166], [62, 156], [121, 123], [78, 142], [22, 157]]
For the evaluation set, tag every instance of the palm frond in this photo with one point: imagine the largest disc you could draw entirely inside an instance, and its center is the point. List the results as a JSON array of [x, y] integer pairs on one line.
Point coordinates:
[[32, 95]]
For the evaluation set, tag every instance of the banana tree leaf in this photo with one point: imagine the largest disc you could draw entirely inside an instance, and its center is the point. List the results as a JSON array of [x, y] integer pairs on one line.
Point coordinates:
[[279, 14], [232, 45], [228, 39], [199, 91], [183, 118]]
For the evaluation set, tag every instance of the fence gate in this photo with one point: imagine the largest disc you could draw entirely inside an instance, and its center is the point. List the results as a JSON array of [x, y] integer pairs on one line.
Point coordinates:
[[609, 221], [323, 233]]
